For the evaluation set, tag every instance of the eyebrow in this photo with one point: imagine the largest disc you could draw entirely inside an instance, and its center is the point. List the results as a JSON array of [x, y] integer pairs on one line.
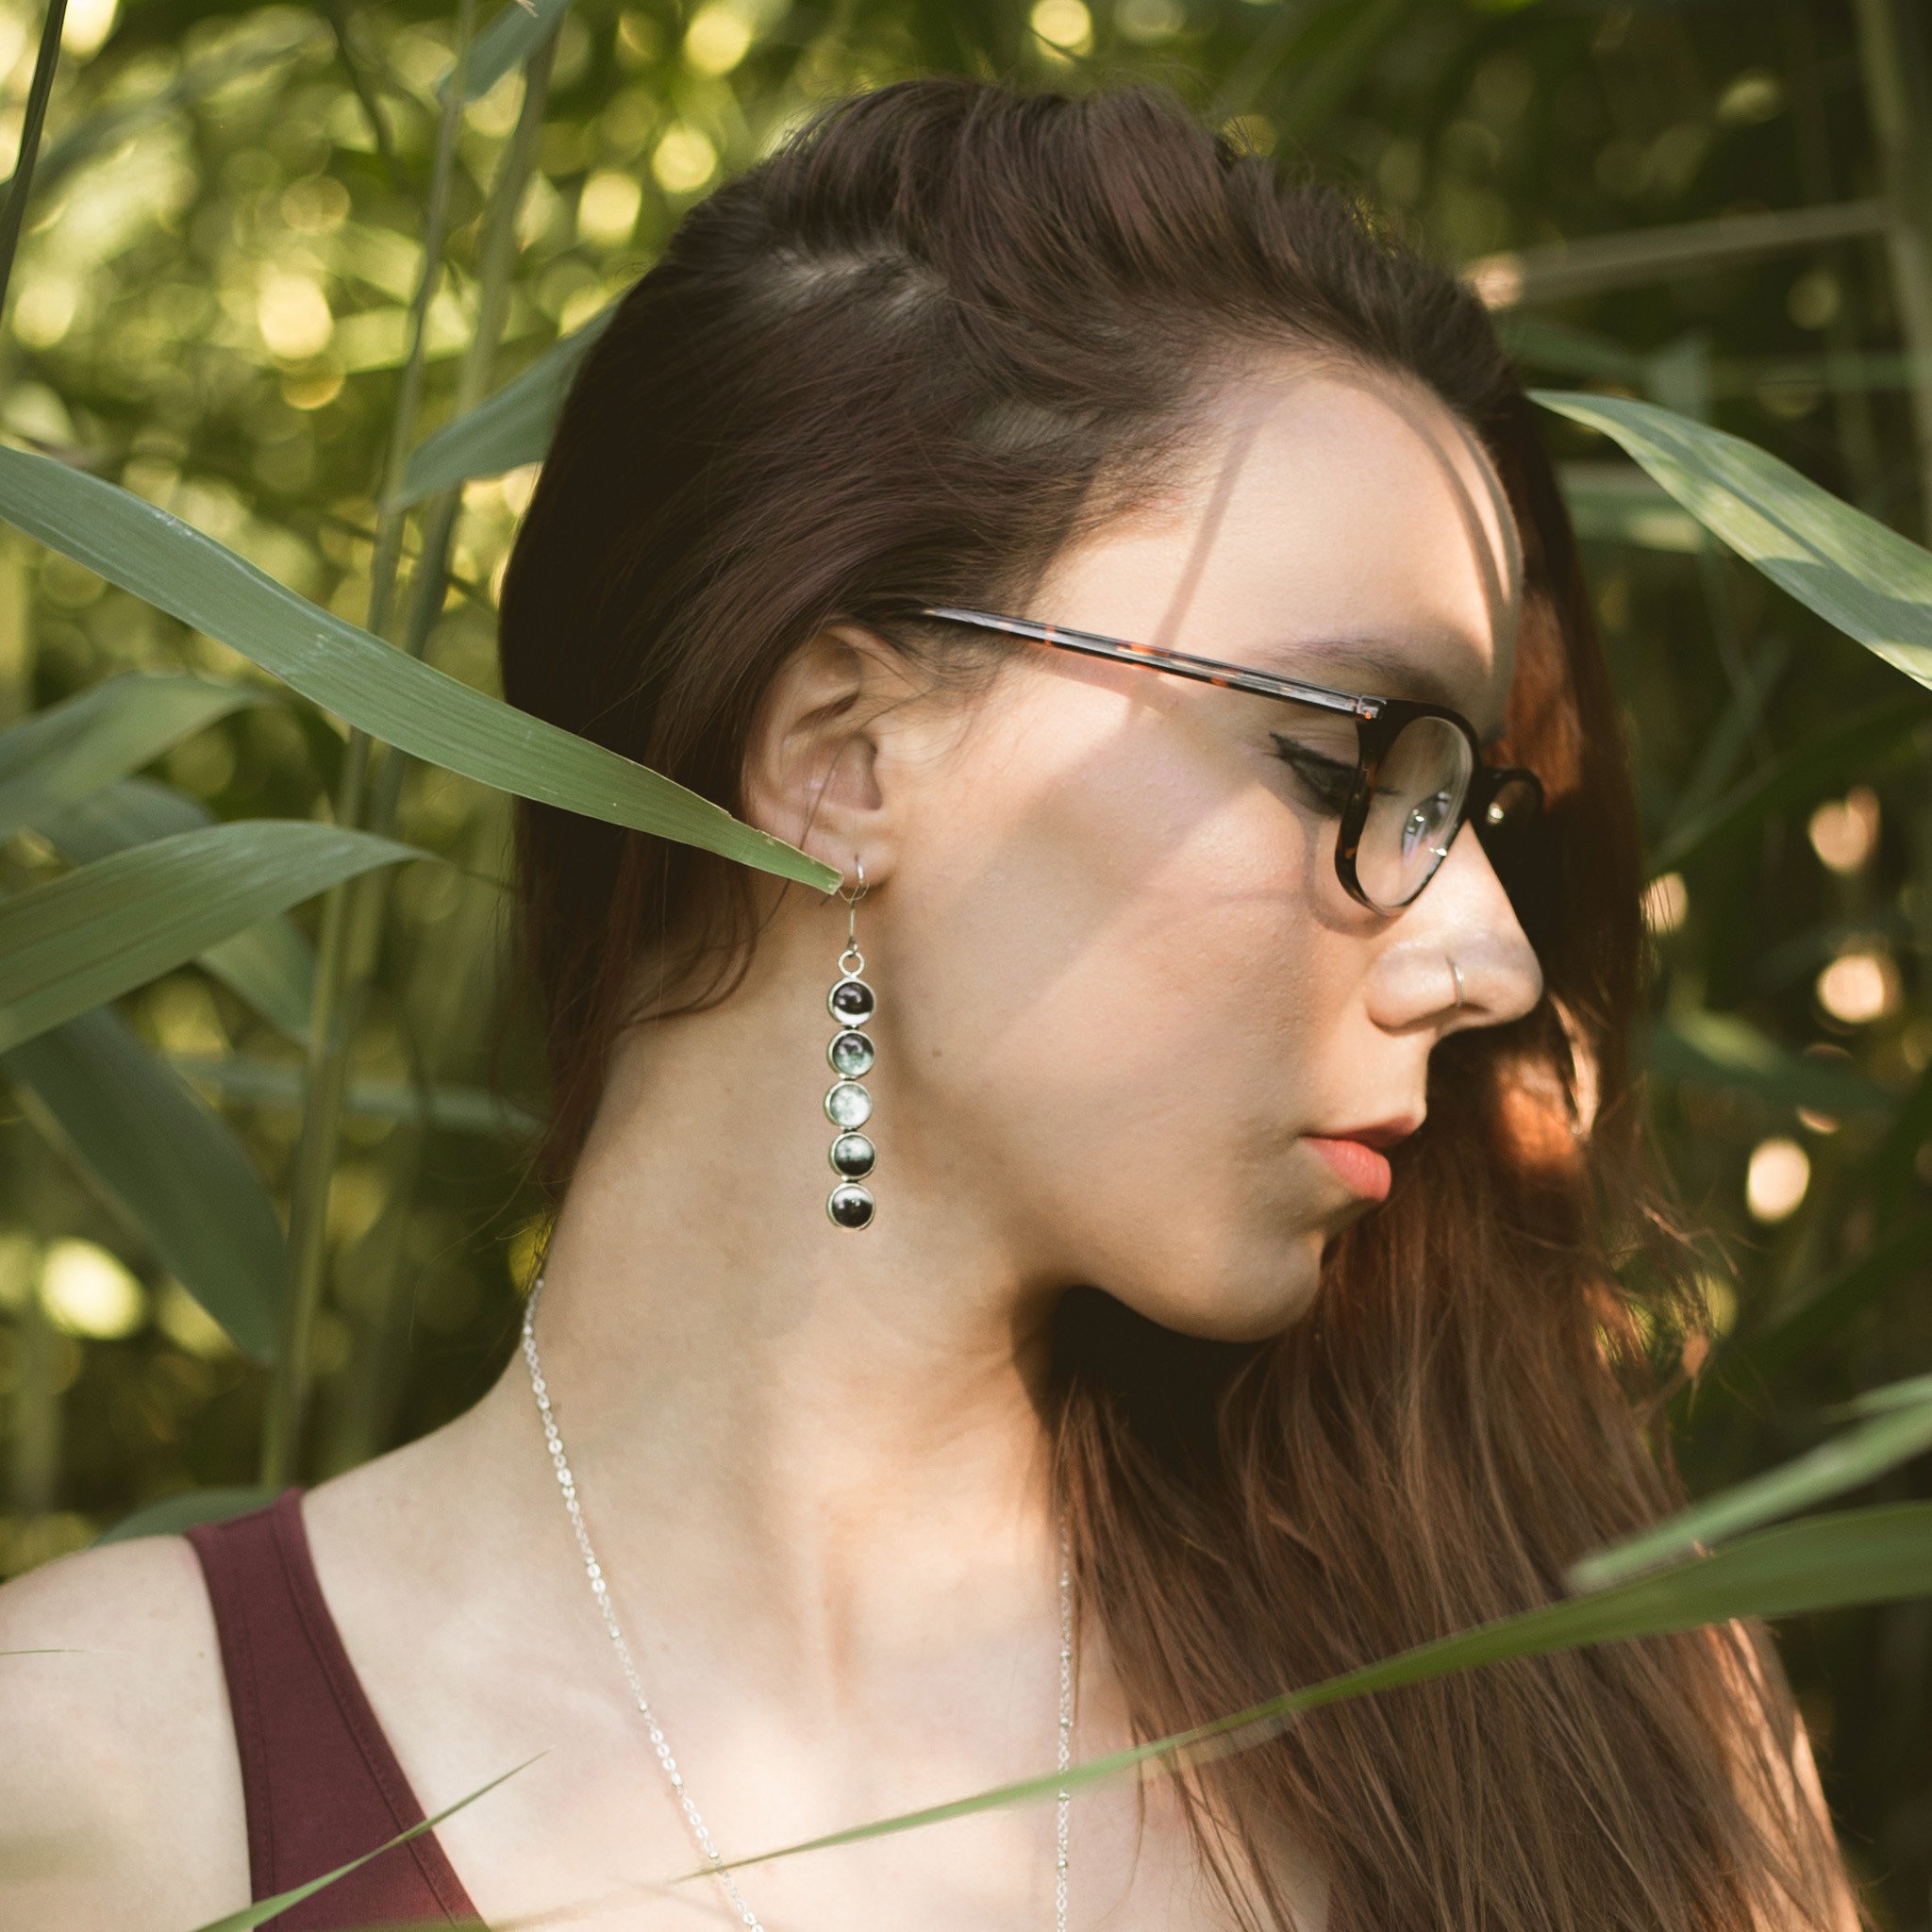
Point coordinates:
[[1382, 668]]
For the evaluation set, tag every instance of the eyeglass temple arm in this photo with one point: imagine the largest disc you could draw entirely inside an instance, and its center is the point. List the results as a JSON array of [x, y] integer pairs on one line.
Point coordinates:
[[1183, 663]]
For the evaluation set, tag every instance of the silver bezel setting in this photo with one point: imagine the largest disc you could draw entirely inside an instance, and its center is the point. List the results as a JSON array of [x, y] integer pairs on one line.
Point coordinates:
[[852, 1192]]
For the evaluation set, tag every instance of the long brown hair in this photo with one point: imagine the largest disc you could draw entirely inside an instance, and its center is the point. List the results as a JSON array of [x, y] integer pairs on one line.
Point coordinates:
[[946, 328]]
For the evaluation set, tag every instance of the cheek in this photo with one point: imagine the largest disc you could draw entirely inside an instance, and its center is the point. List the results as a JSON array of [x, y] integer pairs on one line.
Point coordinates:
[[1118, 978]]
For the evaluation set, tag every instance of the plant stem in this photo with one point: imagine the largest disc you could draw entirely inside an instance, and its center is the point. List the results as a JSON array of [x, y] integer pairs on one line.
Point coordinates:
[[13, 212], [333, 1019], [337, 16], [497, 259], [369, 896], [1853, 415], [36, 1472], [1898, 92]]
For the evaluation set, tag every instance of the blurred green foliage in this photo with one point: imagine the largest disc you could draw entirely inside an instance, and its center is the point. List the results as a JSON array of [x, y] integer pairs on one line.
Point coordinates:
[[1721, 205]]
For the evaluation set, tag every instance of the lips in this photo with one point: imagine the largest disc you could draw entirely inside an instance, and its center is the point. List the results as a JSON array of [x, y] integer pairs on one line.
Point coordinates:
[[1364, 1169], [1358, 1159]]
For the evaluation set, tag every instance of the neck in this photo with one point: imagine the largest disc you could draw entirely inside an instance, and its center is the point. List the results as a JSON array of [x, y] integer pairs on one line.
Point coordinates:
[[760, 1407]]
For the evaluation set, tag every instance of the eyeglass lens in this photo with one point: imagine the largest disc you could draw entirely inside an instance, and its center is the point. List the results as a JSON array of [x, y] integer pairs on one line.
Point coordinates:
[[1414, 811]]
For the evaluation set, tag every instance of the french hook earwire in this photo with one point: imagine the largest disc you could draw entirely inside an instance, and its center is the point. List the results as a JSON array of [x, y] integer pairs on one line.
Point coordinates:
[[852, 899]]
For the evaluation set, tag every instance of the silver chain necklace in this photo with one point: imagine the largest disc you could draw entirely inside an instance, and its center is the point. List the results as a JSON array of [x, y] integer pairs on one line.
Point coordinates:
[[594, 1571]]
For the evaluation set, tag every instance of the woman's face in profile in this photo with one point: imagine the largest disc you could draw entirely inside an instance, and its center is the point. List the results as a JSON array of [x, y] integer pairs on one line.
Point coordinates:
[[1133, 1008]]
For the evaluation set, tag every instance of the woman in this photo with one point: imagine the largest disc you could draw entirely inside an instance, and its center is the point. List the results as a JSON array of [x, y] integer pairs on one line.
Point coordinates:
[[1227, 1162]]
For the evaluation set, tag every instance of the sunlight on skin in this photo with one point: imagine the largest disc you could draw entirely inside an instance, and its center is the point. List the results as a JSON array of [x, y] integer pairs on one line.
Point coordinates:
[[1119, 983], [1137, 922], [1120, 990]]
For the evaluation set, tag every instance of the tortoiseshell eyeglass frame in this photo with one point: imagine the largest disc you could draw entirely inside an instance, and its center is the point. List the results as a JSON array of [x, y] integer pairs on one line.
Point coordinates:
[[1378, 721]]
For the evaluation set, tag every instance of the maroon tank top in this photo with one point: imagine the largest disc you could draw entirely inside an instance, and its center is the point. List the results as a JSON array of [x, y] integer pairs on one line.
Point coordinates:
[[320, 1782]]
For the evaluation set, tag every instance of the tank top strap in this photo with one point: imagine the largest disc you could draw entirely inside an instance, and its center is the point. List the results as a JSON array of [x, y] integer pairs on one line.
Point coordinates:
[[320, 1782]]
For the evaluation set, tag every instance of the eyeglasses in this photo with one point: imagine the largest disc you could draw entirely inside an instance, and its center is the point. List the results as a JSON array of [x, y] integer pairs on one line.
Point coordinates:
[[1418, 777]]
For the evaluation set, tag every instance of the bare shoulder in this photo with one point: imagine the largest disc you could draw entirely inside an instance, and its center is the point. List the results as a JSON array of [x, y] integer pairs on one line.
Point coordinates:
[[120, 1789]]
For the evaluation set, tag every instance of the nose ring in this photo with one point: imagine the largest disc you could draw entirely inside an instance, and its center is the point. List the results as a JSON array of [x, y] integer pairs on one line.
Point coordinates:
[[1456, 973]]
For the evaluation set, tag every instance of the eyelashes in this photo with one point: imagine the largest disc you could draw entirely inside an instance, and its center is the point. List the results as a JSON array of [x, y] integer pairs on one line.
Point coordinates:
[[1327, 781]]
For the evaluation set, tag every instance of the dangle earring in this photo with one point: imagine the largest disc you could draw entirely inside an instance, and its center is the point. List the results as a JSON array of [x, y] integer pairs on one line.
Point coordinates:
[[848, 1106]]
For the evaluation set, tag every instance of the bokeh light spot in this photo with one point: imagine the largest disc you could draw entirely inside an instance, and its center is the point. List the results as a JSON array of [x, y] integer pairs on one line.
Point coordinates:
[[607, 209], [717, 38], [1845, 832], [1063, 23], [685, 160], [87, 1291], [1774, 1183]]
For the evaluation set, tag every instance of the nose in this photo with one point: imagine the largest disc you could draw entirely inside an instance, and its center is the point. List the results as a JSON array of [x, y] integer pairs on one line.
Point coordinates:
[[1461, 938]]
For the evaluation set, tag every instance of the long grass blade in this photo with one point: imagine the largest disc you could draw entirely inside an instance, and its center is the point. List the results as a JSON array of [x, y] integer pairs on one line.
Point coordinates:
[[514, 427], [96, 933], [264, 1910], [369, 683], [1890, 1174], [1610, 503], [1705, 1049], [270, 964], [1828, 1562], [154, 1147], [1903, 1253], [1899, 1426], [1859, 748], [58, 756], [1595, 263], [20, 184], [511, 37], [1889, 1397], [334, 1015], [453, 1108], [170, 1515], [1856, 573], [1739, 727], [1563, 349]]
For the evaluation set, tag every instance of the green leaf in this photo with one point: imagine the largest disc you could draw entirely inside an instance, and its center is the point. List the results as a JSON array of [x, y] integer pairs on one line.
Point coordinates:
[[270, 964], [457, 1110], [1539, 343], [509, 428], [1901, 1253], [507, 42], [385, 691], [1704, 1049], [173, 1514], [1857, 748], [1868, 580], [1826, 1562], [1899, 1428], [1589, 265], [264, 1910], [60, 755], [1889, 1397], [1731, 736], [1611, 502], [156, 1150], [94, 934], [1890, 1174]]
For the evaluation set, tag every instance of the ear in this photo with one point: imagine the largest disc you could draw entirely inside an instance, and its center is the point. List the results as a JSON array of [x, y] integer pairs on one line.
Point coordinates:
[[818, 770]]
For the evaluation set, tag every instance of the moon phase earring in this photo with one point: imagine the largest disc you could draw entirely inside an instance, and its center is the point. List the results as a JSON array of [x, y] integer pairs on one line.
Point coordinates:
[[849, 1105]]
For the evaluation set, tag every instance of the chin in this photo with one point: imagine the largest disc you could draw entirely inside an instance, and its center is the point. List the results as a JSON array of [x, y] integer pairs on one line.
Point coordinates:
[[1243, 1301]]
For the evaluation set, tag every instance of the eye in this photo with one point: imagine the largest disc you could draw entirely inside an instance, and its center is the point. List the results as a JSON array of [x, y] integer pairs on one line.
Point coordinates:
[[1327, 781]]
